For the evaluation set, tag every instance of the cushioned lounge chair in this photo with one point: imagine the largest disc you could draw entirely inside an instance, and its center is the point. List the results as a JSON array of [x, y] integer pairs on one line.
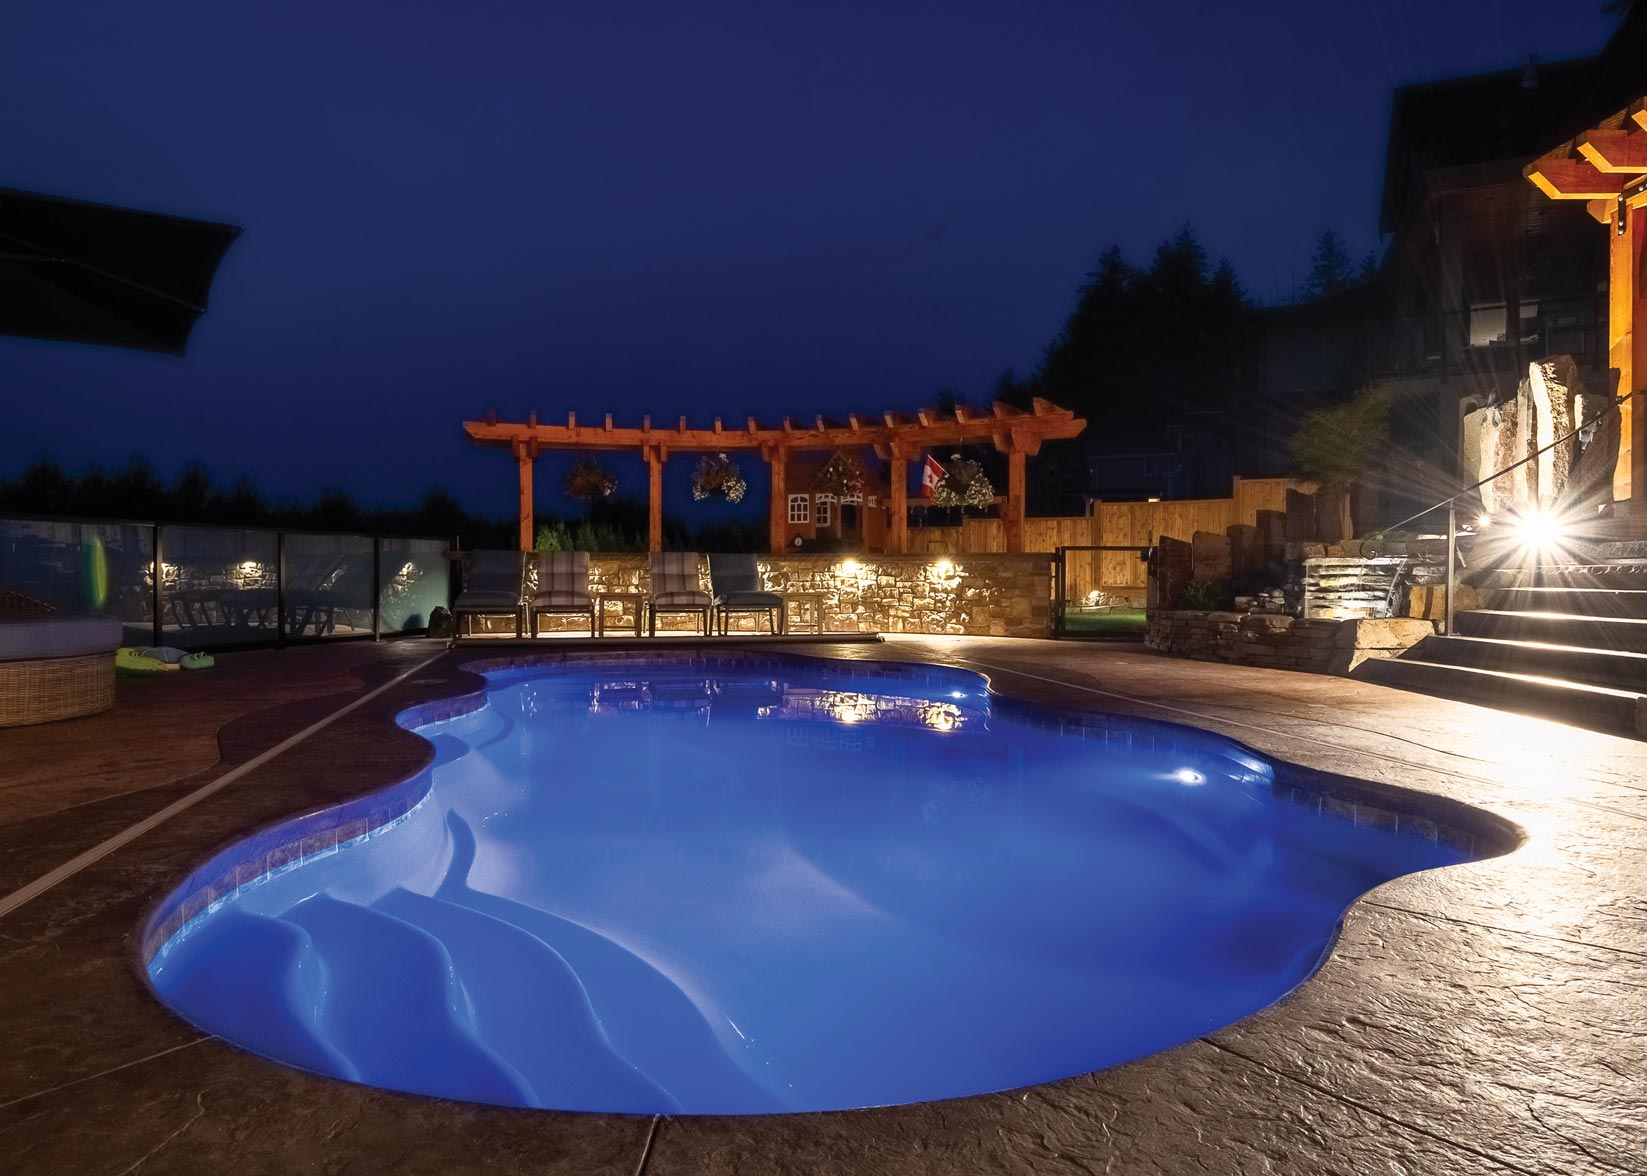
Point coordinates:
[[491, 588], [674, 579], [563, 587], [736, 582]]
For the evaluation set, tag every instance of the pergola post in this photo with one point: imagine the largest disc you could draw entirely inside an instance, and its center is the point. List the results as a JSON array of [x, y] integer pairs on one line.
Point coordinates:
[[897, 534], [655, 457], [524, 456], [1624, 351], [778, 515], [1012, 512]]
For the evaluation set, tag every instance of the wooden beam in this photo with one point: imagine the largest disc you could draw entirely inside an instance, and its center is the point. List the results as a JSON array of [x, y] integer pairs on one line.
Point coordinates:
[[1602, 210], [523, 459], [654, 501], [1012, 511], [1640, 116], [1615, 152], [897, 532], [1561, 177], [778, 514]]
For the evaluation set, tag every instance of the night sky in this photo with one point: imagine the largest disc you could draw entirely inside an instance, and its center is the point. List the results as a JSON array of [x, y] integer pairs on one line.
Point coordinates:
[[670, 208]]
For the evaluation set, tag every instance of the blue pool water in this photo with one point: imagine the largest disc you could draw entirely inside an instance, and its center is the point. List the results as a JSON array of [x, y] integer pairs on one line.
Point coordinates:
[[653, 889]]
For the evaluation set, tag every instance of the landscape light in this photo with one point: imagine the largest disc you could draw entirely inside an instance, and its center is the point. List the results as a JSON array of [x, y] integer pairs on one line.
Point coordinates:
[[1537, 530]]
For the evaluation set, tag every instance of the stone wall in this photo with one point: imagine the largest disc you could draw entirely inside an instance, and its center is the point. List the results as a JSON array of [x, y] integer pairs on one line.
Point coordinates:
[[1282, 642], [990, 595]]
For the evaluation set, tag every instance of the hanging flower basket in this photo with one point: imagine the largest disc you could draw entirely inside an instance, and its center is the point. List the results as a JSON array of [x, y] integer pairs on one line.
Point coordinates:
[[963, 484], [717, 475], [842, 477], [587, 481]]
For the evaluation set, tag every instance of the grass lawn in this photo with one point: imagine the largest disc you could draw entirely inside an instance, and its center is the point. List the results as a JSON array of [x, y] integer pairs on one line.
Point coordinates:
[[1110, 622]]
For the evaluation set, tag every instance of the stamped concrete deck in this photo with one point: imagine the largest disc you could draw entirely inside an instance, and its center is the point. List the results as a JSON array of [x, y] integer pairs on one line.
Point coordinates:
[[1483, 1019]]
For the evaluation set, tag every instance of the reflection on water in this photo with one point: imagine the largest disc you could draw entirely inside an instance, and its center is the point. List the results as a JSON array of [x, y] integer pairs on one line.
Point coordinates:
[[770, 699]]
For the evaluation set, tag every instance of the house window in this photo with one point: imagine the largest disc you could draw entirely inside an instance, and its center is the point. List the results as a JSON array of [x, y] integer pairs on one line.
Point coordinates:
[[1487, 322], [800, 510], [852, 499], [824, 501], [873, 501]]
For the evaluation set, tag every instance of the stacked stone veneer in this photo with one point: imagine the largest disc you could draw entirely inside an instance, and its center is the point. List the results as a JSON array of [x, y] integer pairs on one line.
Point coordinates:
[[980, 595], [1283, 642]]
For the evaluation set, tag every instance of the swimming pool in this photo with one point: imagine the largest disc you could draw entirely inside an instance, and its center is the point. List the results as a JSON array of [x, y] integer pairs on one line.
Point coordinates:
[[676, 888]]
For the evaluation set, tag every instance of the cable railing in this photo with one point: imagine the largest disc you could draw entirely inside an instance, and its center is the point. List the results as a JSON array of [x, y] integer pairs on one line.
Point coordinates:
[[1451, 501]]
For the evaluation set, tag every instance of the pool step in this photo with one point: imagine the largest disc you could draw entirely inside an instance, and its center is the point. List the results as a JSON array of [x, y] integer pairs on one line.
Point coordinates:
[[394, 1009], [1602, 708], [529, 1006]]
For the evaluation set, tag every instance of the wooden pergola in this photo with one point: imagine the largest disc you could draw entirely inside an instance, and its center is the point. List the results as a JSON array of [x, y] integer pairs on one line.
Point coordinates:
[[1606, 167], [1016, 432]]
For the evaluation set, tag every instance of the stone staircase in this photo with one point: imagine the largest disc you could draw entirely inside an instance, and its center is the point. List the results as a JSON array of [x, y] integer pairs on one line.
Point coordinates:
[[1569, 643]]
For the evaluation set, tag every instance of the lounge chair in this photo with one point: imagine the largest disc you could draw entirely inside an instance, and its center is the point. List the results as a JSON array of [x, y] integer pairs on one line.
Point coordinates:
[[563, 587], [491, 588], [736, 581], [674, 582]]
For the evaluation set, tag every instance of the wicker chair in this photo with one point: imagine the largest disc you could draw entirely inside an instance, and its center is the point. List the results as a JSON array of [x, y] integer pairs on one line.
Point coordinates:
[[53, 666], [675, 588], [563, 587]]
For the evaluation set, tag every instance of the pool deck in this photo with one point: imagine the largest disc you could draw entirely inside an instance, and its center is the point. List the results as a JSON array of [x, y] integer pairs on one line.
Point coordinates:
[[1488, 1018]]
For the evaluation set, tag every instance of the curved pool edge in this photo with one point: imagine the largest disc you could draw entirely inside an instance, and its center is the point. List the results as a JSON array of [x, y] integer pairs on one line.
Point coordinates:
[[285, 842]]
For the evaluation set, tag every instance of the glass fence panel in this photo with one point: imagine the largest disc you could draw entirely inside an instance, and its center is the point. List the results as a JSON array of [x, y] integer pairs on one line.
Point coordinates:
[[328, 586], [83, 567], [218, 586], [414, 579]]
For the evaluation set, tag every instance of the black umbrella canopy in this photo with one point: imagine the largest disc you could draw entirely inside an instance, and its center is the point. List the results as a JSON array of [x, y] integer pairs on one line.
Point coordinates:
[[93, 273]]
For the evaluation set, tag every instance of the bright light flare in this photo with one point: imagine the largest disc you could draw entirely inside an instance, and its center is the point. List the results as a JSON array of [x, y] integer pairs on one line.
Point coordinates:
[[1537, 530]]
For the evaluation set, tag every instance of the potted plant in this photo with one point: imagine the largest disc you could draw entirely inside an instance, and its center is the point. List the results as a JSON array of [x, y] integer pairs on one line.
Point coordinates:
[[842, 476], [587, 480], [716, 474], [963, 484]]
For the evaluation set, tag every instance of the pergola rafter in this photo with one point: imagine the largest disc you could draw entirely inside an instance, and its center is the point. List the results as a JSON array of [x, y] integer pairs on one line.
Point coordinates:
[[1018, 433]]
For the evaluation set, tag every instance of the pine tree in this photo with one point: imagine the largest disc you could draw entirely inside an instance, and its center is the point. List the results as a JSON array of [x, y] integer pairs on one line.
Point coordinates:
[[1331, 269]]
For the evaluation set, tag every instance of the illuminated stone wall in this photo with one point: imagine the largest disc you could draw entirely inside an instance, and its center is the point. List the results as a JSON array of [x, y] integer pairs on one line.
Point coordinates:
[[978, 595]]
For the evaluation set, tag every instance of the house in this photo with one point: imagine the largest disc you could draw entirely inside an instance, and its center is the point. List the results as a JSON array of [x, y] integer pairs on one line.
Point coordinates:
[[825, 512], [1480, 274]]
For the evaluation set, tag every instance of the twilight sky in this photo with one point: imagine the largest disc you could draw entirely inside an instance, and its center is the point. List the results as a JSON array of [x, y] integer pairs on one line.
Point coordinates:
[[666, 208]]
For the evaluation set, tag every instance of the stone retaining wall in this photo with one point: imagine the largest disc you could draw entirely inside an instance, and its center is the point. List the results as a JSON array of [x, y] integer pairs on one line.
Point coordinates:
[[991, 595], [1282, 642]]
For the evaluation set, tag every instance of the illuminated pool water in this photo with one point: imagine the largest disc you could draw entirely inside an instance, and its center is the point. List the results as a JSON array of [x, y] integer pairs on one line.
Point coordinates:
[[663, 889]]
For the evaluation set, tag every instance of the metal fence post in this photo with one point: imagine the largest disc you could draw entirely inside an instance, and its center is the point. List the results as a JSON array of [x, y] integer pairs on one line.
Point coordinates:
[[377, 586], [158, 574], [280, 589], [1452, 564]]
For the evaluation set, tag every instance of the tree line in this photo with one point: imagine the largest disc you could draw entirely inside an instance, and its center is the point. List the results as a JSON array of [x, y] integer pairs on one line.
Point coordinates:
[[136, 491]]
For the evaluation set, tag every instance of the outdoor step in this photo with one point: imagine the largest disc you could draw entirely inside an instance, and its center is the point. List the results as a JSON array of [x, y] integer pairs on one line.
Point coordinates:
[[1599, 708], [1556, 628], [1586, 601], [1620, 669]]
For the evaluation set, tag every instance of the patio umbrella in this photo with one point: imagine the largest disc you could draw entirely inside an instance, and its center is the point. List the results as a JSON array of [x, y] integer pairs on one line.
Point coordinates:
[[93, 273]]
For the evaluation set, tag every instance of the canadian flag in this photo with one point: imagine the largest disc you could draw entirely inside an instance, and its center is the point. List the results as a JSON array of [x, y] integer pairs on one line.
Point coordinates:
[[931, 471]]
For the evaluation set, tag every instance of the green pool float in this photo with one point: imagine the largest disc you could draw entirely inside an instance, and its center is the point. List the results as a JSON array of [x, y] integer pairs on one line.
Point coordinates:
[[159, 659]]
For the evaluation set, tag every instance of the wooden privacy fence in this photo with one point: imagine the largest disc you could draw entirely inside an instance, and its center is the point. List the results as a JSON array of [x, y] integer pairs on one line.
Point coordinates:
[[1114, 524]]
